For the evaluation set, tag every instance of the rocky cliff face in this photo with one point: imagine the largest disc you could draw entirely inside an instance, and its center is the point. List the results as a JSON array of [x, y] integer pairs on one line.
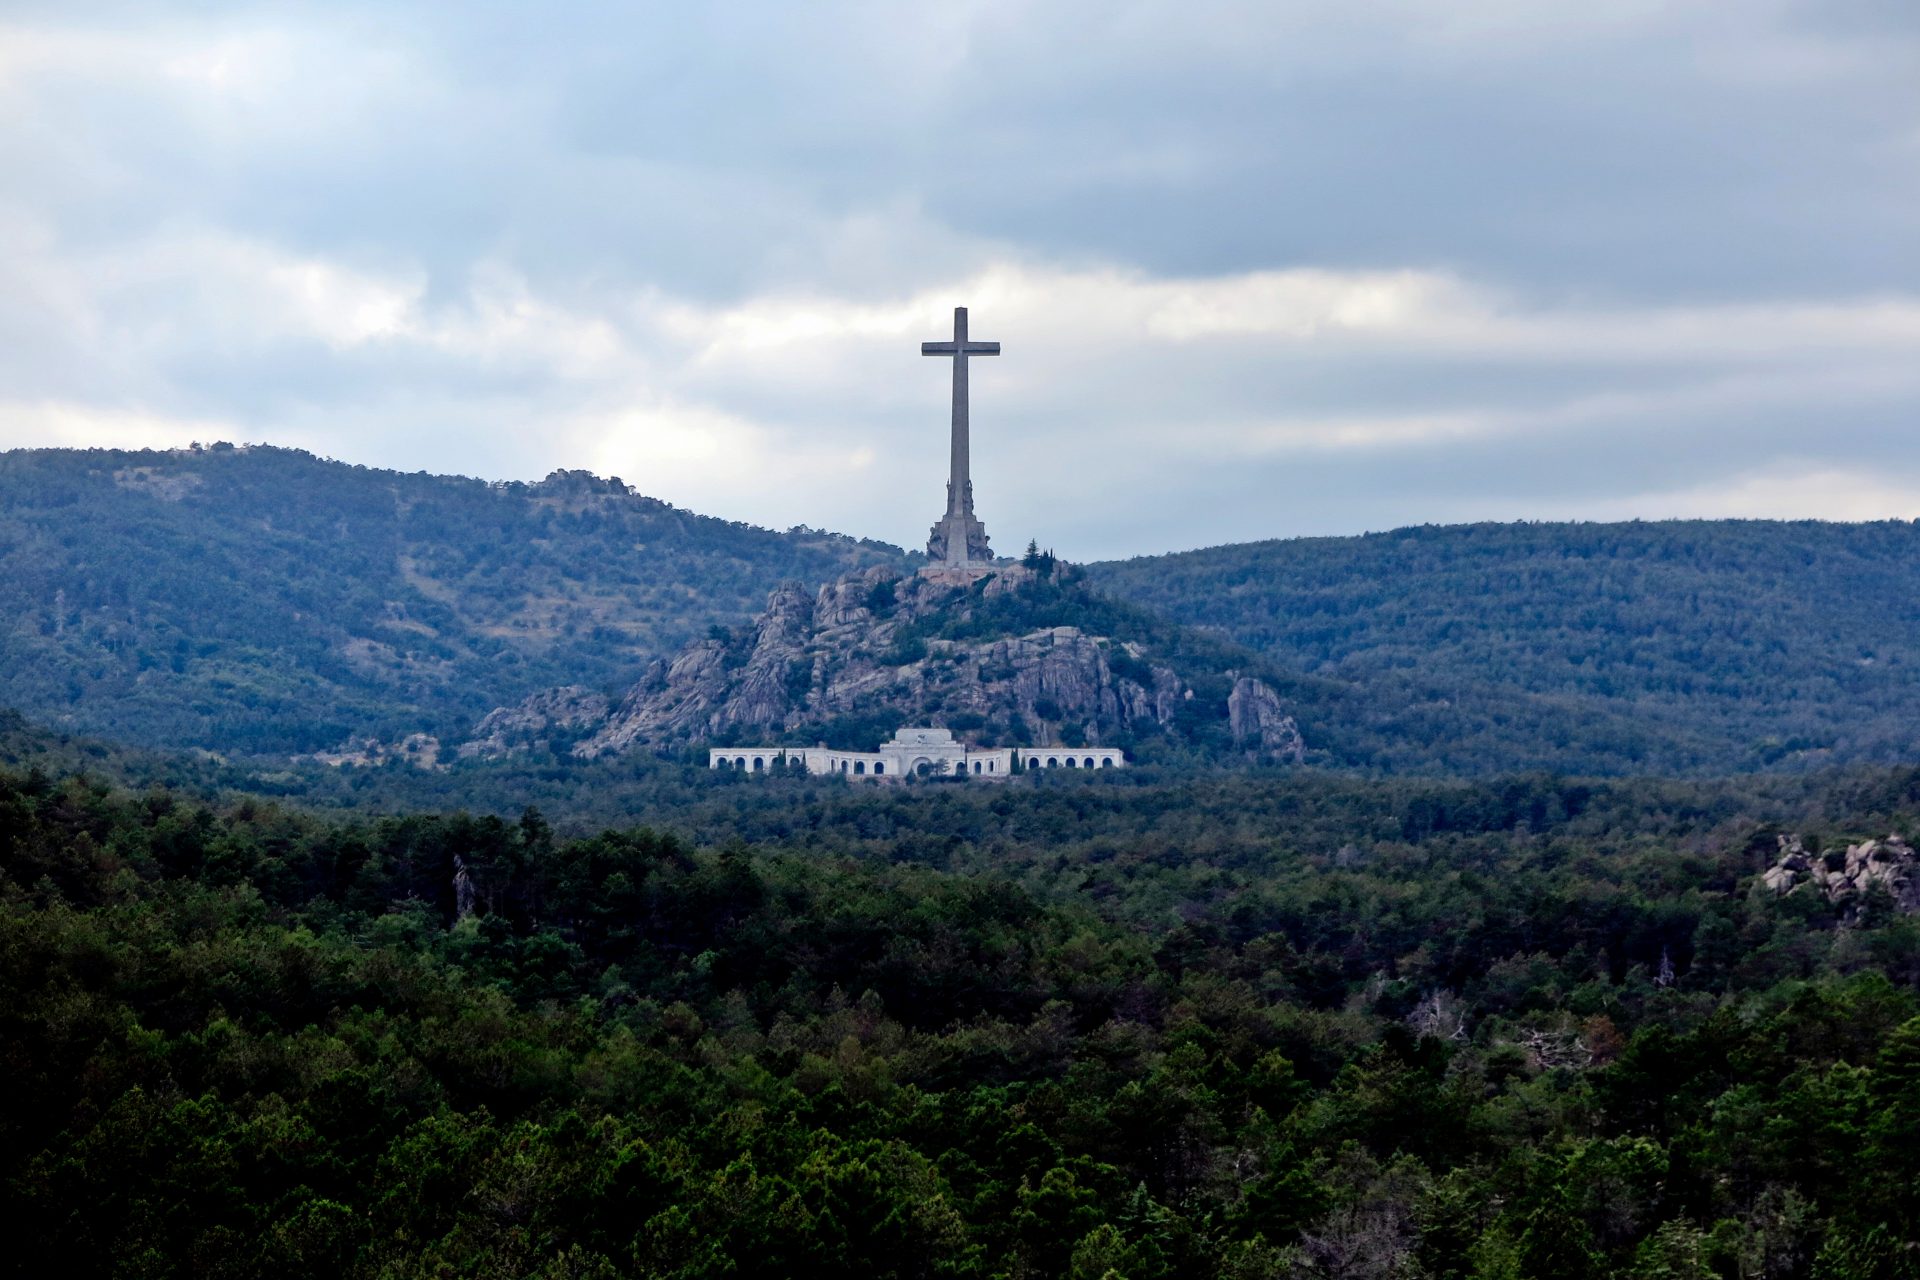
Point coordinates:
[[1257, 720], [875, 650]]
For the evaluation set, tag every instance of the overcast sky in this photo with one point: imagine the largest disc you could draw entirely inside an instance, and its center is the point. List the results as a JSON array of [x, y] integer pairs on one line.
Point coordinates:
[[1259, 269]]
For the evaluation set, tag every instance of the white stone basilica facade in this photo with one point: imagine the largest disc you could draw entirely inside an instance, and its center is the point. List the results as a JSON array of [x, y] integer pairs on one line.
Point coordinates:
[[916, 753]]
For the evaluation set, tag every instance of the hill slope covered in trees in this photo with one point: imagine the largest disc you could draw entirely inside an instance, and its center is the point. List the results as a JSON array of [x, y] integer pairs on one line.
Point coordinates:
[[1649, 647], [266, 600]]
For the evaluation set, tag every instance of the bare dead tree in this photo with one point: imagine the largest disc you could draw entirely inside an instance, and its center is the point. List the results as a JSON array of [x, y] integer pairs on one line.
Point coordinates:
[[1360, 1242], [1440, 1015], [1552, 1049]]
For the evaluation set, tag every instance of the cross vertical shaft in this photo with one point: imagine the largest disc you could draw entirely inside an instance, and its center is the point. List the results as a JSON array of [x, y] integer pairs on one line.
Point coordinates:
[[959, 464], [959, 538]]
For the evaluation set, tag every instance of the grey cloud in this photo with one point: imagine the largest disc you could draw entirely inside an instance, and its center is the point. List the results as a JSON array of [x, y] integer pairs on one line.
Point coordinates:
[[623, 163]]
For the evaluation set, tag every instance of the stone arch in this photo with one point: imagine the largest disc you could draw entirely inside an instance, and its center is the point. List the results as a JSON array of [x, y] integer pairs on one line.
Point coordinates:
[[859, 766], [739, 762], [1053, 762], [759, 763], [978, 767], [1088, 762], [1106, 762], [879, 766]]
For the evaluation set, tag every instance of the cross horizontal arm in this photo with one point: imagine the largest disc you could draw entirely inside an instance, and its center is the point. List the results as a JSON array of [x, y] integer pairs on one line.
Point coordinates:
[[956, 348]]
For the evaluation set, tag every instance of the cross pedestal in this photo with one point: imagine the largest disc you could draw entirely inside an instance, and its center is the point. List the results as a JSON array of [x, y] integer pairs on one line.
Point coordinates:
[[959, 540]]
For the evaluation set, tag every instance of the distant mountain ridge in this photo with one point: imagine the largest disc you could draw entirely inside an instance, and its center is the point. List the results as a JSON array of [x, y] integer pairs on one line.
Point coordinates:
[[265, 600]]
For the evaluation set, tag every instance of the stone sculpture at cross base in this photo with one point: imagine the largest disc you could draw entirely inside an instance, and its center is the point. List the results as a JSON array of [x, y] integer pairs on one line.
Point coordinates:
[[959, 540], [959, 532]]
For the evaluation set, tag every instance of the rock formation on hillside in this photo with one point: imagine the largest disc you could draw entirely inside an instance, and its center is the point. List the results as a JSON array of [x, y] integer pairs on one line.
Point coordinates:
[[421, 750], [1845, 879], [535, 722], [1257, 719], [878, 649]]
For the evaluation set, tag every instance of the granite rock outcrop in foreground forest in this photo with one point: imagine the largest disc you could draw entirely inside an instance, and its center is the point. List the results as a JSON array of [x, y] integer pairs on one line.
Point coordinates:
[[878, 649], [1849, 877]]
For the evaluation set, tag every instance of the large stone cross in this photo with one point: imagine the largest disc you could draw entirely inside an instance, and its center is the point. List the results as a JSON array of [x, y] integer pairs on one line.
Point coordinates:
[[959, 537]]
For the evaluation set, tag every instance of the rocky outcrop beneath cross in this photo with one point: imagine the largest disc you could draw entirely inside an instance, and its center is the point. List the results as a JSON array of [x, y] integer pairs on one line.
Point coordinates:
[[856, 647], [878, 649]]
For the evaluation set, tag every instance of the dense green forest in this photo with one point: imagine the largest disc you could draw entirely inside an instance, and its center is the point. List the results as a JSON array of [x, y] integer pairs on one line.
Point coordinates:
[[1249, 1025], [1716, 646], [263, 600]]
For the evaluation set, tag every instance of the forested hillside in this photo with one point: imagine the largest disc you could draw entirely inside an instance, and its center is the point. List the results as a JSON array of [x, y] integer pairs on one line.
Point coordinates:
[[266, 600], [1282, 1028], [1648, 647]]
